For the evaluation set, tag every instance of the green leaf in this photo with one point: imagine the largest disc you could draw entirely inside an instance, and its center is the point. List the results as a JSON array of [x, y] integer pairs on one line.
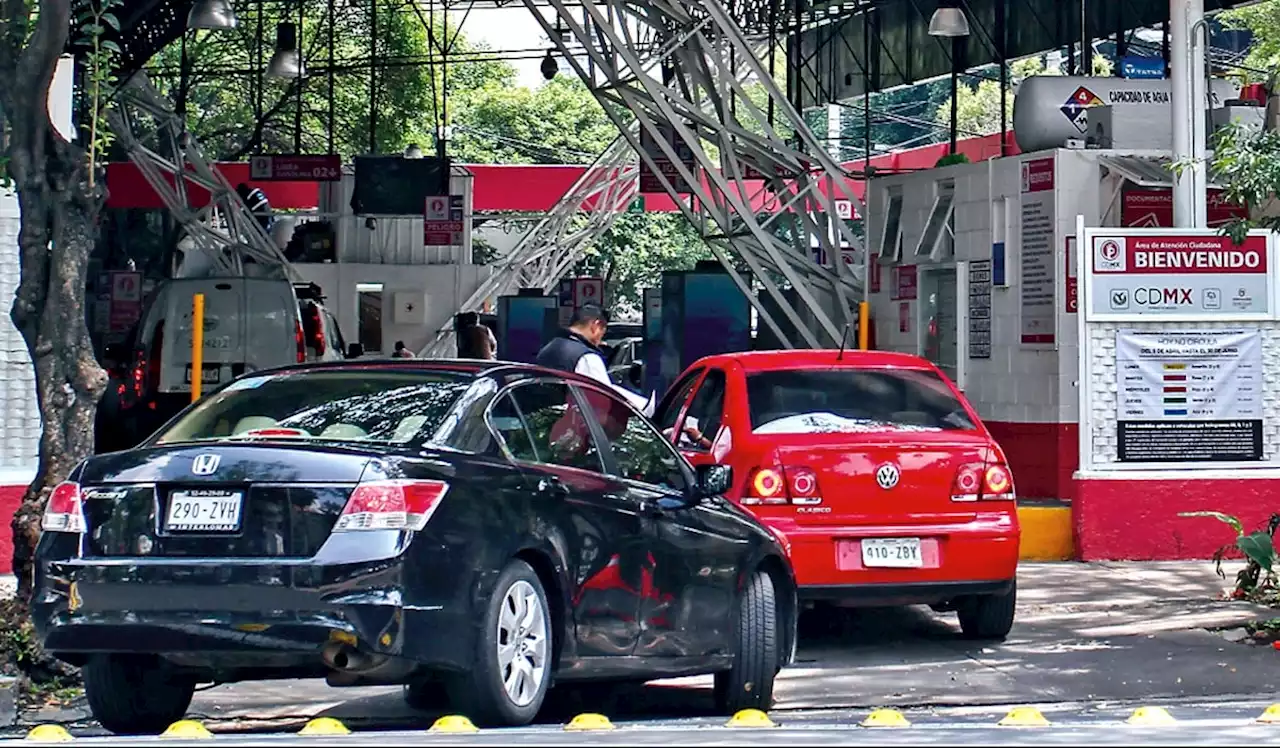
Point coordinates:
[[1227, 518], [111, 21], [111, 46], [1258, 548]]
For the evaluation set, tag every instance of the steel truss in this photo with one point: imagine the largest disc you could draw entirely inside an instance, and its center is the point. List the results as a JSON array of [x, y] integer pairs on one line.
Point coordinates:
[[692, 97], [548, 251], [224, 230]]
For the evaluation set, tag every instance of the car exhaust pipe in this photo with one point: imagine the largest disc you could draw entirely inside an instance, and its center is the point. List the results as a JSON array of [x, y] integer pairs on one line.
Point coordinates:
[[347, 659]]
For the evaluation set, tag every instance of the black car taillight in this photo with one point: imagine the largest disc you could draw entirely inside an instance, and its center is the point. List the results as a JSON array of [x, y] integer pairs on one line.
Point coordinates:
[[391, 505], [64, 512]]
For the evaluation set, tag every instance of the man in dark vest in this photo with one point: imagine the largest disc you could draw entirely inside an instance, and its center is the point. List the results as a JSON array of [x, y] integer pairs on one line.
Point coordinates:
[[577, 349]]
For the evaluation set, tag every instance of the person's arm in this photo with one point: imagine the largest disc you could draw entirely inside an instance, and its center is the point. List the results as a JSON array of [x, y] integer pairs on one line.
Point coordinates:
[[592, 366]]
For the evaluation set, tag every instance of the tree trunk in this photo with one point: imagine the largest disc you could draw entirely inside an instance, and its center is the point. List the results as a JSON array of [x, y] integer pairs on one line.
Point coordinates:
[[59, 204]]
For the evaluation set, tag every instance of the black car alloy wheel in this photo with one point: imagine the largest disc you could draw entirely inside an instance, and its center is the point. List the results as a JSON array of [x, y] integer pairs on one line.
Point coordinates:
[[514, 653]]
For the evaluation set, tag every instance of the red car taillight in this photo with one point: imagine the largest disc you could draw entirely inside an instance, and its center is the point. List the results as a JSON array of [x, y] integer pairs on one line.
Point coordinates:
[[981, 481], [765, 486], [64, 512], [391, 505], [803, 482]]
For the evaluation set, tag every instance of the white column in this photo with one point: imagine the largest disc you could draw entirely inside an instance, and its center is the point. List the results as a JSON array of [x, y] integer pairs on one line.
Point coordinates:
[[1189, 110], [1182, 110], [1198, 32]]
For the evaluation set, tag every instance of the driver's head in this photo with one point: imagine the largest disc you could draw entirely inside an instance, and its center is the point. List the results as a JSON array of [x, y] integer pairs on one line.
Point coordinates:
[[590, 321]]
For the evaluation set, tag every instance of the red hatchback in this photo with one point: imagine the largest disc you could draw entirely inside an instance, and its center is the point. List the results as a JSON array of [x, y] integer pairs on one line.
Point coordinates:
[[873, 469]]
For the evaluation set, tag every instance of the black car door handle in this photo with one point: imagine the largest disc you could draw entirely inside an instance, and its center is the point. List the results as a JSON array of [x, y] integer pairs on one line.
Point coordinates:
[[652, 509], [552, 487]]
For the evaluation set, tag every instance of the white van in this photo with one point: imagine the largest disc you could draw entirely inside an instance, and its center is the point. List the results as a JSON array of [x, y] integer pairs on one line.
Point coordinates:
[[249, 324]]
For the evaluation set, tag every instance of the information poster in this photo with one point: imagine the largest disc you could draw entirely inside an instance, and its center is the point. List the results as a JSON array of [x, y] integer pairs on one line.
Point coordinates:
[[1038, 266], [980, 309], [1189, 396]]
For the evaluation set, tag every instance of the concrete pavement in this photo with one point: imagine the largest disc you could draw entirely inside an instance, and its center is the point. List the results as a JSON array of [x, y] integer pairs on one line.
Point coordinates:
[[1086, 635]]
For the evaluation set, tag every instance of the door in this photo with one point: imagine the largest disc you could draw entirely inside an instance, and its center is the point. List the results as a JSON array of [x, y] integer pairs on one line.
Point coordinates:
[[939, 330], [543, 429], [686, 600]]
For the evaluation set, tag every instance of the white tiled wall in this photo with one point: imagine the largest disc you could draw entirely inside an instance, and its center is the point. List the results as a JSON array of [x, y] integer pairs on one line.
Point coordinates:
[[1019, 384], [20, 438], [1103, 385]]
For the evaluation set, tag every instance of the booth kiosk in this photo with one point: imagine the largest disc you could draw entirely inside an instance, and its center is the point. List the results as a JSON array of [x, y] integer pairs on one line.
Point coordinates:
[[526, 322], [1178, 394]]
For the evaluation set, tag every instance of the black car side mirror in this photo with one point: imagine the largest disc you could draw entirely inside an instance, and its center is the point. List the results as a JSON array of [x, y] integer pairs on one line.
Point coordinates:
[[714, 480], [355, 350], [635, 374]]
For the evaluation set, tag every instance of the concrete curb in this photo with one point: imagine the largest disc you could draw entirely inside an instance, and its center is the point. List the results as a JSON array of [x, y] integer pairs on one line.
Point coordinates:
[[8, 702]]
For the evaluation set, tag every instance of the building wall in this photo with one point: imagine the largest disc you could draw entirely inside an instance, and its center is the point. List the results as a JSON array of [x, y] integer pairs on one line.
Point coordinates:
[[20, 441], [1026, 394], [442, 288]]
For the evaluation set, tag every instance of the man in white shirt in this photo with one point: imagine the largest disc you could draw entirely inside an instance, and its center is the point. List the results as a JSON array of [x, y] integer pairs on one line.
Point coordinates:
[[577, 349]]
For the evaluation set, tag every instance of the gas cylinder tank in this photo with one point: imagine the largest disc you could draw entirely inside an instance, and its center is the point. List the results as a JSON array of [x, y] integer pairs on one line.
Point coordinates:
[[1050, 109]]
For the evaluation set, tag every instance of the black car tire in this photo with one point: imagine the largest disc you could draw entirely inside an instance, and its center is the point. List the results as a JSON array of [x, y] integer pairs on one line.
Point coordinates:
[[135, 695], [988, 616], [749, 683], [479, 694]]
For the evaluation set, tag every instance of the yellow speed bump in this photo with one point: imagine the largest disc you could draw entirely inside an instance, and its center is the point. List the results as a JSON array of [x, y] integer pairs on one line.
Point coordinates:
[[453, 723], [589, 721], [1024, 716], [187, 729], [750, 718], [49, 734], [886, 718], [324, 726], [1151, 716], [1271, 716]]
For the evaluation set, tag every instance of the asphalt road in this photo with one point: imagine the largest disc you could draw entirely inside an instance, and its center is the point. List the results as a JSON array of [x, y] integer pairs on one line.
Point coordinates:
[[1092, 643]]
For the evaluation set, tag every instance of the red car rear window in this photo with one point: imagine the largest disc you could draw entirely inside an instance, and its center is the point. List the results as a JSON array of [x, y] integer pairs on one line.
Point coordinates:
[[850, 400]]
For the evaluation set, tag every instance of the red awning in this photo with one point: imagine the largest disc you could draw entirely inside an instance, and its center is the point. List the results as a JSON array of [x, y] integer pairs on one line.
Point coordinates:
[[516, 188]]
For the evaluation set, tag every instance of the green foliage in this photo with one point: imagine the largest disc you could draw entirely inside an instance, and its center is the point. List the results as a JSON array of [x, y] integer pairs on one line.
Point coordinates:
[[633, 253], [93, 20], [1258, 548], [951, 159], [559, 122], [225, 83], [1262, 20], [1248, 166]]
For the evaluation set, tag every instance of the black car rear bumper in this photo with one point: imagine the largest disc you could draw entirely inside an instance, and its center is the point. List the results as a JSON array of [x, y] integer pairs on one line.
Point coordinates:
[[911, 593], [236, 618]]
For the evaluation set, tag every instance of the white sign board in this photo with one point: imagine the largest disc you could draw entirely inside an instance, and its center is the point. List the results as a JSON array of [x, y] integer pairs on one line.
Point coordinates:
[[437, 208], [1193, 396], [1176, 275]]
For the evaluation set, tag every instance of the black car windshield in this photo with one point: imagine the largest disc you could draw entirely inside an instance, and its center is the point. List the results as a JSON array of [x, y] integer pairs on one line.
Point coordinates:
[[843, 400], [396, 407]]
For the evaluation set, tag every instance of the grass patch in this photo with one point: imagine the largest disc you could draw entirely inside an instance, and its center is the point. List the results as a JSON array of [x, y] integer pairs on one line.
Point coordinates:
[[41, 680]]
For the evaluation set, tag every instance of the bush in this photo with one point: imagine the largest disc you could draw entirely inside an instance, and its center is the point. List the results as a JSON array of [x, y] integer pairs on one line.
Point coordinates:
[[1258, 547]]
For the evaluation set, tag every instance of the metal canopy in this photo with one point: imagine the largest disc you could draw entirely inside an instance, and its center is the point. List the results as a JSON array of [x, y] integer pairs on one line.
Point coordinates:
[[1144, 171], [888, 45]]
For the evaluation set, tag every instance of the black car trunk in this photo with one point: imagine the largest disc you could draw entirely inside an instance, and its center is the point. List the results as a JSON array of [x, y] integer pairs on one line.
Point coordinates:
[[223, 501]]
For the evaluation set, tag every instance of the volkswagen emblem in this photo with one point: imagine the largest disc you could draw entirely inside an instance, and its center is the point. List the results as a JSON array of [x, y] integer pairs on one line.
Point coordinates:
[[887, 476], [208, 465]]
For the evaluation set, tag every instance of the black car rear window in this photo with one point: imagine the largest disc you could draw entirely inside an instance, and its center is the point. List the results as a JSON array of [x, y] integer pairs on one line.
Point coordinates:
[[339, 405], [850, 400]]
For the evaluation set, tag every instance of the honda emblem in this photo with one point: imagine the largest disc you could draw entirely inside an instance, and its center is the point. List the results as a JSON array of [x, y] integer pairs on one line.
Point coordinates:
[[205, 464]]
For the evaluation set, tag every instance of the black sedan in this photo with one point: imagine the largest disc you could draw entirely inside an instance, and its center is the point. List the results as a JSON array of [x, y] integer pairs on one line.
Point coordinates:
[[490, 528]]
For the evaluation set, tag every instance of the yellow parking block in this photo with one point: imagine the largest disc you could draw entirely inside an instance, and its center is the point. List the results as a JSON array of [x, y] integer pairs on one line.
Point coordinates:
[[1271, 716], [324, 726], [453, 723], [1046, 533], [187, 729], [589, 722], [886, 718], [1151, 716], [49, 734], [1024, 716], [750, 718]]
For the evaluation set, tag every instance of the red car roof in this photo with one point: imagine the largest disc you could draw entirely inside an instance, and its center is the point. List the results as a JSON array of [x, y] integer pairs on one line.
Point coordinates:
[[805, 358]]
